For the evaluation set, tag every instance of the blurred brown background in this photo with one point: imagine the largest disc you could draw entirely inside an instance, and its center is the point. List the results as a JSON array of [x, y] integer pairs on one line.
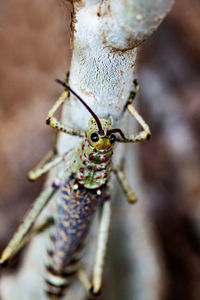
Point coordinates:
[[35, 49]]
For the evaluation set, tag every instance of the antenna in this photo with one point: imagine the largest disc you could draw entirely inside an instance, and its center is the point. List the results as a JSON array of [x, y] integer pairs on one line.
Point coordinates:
[[83, 102], [116, 130]]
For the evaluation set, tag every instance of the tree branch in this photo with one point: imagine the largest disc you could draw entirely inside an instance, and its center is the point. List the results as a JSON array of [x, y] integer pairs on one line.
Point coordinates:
[[105, 36]]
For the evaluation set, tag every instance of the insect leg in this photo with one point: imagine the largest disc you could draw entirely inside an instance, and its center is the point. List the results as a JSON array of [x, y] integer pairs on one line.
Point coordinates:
[[37, 230], [145, 134], [48, 222], [101, 248], [84, 279], [53, 122], [45, 165], [132, 94], [94, 287], [122, 179], [29, 220], [47, 158]]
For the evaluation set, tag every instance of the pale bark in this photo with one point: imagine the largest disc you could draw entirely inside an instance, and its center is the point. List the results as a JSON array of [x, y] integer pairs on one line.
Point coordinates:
[[104, 53]]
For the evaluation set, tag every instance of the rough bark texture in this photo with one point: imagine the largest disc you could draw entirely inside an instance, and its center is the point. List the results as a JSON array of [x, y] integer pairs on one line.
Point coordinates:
[[102, 72]]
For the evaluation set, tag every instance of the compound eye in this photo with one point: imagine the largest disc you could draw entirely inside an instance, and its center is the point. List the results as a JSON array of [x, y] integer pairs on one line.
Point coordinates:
[[94, 137], [112, 138]]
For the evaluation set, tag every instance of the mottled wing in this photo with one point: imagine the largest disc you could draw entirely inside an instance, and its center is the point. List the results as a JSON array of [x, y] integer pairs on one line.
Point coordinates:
[[75, 213]]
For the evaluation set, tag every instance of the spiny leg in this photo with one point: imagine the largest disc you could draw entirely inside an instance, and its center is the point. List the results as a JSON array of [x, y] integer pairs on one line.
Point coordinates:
[[29, 220], [45, 165], [142, 135], [122, 179], [32, 175], [84, 279], [132, 94], [37, 230], [48, 222], [60, 100], [53, 122], [49, 156], [145, 134], [95, 286], [101, 247]]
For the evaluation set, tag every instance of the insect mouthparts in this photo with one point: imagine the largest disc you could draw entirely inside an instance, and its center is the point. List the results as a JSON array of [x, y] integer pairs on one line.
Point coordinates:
[[101, 133]]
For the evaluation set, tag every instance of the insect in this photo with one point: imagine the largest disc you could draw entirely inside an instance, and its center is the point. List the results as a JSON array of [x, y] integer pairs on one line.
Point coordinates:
[[83, 186]]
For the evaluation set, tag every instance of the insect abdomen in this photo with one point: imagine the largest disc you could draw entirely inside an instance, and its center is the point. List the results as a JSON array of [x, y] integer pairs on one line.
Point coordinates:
[[75, 213]]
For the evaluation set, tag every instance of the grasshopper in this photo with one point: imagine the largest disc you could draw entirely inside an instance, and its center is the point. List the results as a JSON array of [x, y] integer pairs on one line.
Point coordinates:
[[83, 189]]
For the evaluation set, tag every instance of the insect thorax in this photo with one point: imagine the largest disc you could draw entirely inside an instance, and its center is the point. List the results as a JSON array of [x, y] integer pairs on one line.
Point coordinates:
[[91, 166]]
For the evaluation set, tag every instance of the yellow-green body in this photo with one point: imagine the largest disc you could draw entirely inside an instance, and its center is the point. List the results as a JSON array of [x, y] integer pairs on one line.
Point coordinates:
[[91, 166], [83, 190], [91, 162]]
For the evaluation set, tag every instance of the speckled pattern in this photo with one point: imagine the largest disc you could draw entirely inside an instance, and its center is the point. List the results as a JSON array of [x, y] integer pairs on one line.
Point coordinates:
[[92, 166], [75, 213], [85, 190]]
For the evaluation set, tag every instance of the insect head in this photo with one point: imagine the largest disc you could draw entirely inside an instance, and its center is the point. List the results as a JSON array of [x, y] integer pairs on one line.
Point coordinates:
[[99, 132]]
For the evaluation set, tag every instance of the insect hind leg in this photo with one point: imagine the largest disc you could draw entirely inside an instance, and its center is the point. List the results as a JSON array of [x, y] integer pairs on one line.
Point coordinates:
[[18, 239], [94, 287]]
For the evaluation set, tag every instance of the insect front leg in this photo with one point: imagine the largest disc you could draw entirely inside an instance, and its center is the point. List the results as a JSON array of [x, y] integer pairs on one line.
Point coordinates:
[[122, 179], [94, 287], [18, 239], [143, 135], [132, 94], [60, 126]]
